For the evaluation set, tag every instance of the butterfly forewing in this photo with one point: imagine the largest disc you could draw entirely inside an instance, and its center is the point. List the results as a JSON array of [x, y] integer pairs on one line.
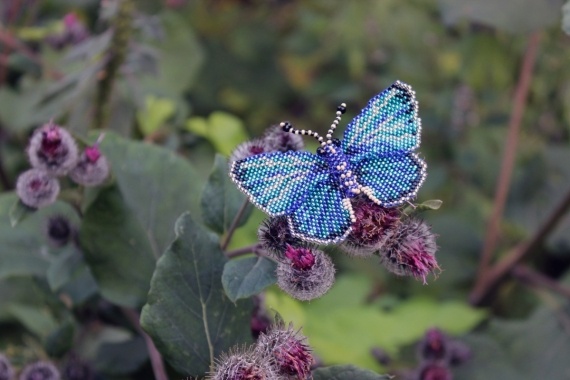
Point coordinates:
[[387, 125], [278, 183]]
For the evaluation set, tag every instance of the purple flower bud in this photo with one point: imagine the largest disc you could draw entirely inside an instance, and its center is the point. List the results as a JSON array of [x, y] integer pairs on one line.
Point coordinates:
[[434, 347], [92, 168], [6, 369], [305, 274], [280, 141], [36, 188], [410, 250], [40, 371], [373, 225], [301, 258], [58, 230], [274, 235], [242, 364], [289, 351], [248, 149], [433, 371], [52, 149]]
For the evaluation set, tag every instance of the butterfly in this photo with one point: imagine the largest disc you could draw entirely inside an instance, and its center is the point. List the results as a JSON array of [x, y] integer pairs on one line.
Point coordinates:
[[375, 159]]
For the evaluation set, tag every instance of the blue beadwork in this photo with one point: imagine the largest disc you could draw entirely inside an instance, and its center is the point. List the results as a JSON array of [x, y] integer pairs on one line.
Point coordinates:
[[375, 158]]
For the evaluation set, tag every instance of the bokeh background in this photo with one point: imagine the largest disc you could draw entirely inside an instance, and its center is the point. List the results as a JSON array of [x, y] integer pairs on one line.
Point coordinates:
[[199, 77]]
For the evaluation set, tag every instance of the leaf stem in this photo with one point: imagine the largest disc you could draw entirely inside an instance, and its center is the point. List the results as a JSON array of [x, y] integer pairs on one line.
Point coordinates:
[[507, 165], [242, 251], [482, 289], [155, 358], [234, 224]]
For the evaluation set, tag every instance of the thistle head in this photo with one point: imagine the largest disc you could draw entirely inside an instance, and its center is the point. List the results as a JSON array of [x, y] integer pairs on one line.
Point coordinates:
[[36, 188], [41, 370], [52, 149], [248, 149], [304, 273], [289, 351], [92, 168], [274, 235], [242, 364], [280, 141], [410, 250], [6, 369]]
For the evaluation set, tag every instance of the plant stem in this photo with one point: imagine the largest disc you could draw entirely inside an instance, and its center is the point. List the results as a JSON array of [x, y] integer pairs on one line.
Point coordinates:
[[234, 224], [122, 30], [155, 358], [531, 277], [242, 251], [508, 162], [482, 290]]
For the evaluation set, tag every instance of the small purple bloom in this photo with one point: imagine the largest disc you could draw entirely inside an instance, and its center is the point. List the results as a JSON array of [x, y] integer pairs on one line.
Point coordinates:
[[40, 371], [36, 188], [92, 168], [52, 149]]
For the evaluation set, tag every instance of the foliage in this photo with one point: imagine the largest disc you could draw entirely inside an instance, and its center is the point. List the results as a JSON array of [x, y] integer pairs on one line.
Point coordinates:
[[170, 88]]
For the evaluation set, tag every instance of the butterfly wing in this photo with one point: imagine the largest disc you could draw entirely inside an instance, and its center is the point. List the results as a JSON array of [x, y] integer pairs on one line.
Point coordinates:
[[388, 124], [278, 183], [379, 143], [391, 180], [323, 217]]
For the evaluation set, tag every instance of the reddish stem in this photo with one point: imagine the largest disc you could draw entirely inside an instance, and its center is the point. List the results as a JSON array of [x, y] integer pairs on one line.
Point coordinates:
[[508, 162]]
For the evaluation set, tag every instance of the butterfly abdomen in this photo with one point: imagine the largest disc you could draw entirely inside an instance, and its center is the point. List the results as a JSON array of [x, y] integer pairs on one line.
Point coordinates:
[[340, 170]]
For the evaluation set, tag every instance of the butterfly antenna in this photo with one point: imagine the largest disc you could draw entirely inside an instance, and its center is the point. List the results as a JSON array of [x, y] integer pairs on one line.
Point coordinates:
[[287, 127], [340, 110]]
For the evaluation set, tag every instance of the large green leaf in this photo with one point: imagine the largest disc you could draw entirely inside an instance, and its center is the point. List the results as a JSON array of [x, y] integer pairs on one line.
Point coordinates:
[[346, 336], [221, 200], [175, 74], [188, 314], [346, 372], [117, 249], [518, 16], [248, 276], [156, 184]]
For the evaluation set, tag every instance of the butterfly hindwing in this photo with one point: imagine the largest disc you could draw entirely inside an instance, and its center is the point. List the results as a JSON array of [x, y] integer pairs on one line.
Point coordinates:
[[388, 124], [391, 180], [278, 183], [324, 215]]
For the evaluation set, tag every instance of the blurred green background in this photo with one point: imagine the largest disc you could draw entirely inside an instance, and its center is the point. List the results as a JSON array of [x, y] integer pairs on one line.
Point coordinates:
[[199, 77]]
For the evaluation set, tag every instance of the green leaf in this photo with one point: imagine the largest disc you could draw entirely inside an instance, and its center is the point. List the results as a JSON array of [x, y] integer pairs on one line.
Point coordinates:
[[69, 274], [432, 204], [221, 199], [37, 320], [60, 340], [155, 113], [117, 249], [24, 247], [157, 186], [248, 276], [345, 336], [222, 129], [188, 314], [346, 372], [516, 16], [19, 211], [175, 76]]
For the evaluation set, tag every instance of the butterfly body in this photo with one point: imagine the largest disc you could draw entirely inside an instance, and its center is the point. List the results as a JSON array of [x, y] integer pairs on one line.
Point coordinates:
[[375, 159]]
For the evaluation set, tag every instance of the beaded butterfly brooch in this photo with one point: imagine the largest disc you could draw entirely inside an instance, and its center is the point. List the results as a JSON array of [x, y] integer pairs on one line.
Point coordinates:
[[314, 191]]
